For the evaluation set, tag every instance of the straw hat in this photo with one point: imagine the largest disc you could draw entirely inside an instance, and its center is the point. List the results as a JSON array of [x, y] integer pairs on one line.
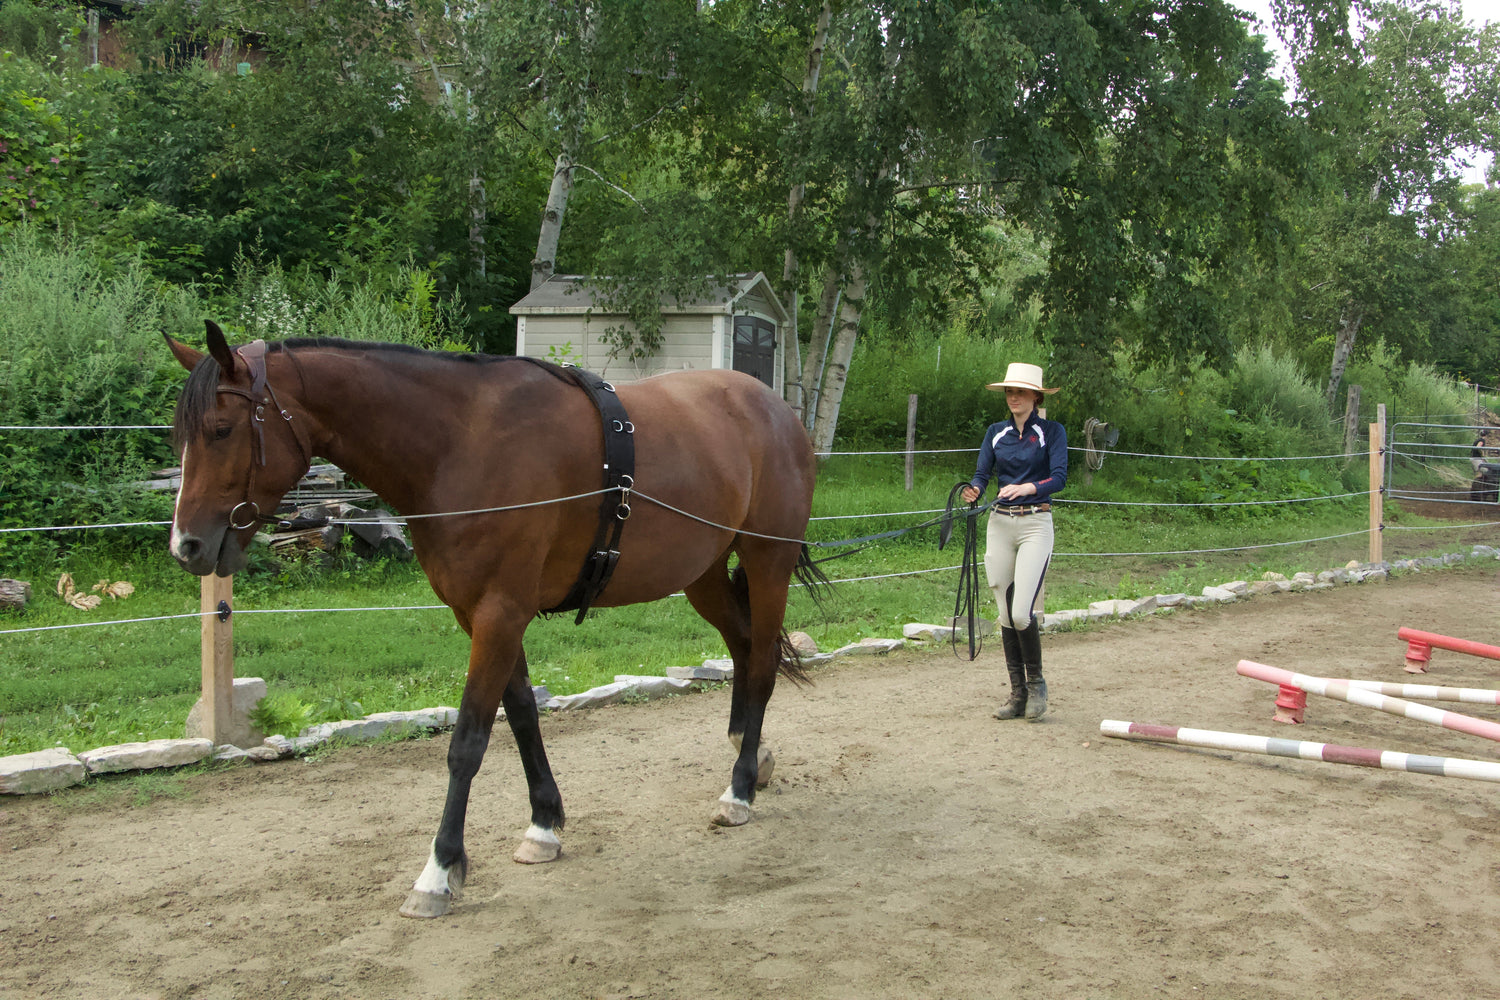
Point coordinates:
[[1019, 375]]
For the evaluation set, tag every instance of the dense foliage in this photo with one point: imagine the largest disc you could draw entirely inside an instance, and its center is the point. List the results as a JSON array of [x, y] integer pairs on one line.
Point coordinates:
[[1118, 191]]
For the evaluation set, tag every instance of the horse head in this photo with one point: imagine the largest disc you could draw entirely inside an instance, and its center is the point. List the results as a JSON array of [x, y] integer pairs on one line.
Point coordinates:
[[240, 453]]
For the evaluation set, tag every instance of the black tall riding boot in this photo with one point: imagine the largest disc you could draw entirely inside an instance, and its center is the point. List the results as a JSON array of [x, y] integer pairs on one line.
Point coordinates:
[[1016, 706], [1030, 639]]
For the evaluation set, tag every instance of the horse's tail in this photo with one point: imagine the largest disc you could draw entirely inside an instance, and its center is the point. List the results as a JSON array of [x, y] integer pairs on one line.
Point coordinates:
[[811, 576], [808, 574]]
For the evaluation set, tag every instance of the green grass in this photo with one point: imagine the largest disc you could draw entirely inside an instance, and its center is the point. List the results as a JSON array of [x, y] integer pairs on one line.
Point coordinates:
[[89, 687]]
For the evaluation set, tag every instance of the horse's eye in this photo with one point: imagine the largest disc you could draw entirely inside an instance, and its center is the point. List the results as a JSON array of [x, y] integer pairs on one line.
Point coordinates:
[[222, 431]]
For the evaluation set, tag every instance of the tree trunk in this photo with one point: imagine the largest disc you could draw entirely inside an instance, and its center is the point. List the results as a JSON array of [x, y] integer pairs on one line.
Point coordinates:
[[1343, 346], [792, 388], [545, 262], [478, 214], [817, 350], [839, 355]]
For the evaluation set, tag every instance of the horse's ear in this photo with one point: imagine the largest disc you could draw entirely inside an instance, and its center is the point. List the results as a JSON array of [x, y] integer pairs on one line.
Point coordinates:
[[218, 346], [185, 355]]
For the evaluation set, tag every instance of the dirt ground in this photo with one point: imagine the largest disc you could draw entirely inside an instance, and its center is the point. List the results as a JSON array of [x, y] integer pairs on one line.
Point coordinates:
[[909, 845]]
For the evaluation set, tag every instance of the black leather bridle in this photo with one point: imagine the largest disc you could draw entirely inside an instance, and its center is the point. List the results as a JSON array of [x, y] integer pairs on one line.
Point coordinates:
[[261, 395]]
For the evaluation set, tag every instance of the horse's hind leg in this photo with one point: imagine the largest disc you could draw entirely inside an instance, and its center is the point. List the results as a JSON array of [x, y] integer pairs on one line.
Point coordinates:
[[724, 602], [540, 843], [758, 592], [493, 654]]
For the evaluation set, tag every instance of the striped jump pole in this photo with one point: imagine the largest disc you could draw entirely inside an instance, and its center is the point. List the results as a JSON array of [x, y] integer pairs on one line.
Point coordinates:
[[1332, 753], [1291, 702], [1419, 648], [1341, 691]]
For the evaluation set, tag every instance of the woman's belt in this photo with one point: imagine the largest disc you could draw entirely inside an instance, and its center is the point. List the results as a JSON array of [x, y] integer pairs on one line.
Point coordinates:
[[1040, 508]]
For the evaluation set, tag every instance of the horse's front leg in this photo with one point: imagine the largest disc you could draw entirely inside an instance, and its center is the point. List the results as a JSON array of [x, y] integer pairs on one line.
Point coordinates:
[[493, 655]]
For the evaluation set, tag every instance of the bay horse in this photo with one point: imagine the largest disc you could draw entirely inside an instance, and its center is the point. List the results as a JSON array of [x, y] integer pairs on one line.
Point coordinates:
[[722, 467]]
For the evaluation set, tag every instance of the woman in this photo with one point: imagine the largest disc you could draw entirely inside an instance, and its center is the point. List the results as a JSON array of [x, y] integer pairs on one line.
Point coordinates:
[[1027, 456]]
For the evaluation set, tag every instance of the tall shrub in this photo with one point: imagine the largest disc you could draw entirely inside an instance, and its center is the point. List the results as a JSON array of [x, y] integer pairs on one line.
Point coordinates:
[[79, 347]]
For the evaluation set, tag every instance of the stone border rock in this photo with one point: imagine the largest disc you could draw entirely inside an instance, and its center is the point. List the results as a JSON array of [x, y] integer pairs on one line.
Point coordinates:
[[57, 767]]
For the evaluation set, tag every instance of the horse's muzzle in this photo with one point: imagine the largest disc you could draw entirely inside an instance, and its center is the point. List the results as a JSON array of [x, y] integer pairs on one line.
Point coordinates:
[[218, 552]]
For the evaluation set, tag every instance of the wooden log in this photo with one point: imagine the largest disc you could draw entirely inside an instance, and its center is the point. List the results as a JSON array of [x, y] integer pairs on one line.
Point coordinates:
[[14, 593]]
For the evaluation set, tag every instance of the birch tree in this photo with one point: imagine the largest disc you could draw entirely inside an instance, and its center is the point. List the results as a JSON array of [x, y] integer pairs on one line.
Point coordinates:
[[1400, 95]]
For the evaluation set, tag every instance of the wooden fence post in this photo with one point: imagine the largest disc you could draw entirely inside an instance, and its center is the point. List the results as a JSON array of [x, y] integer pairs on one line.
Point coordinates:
[[911, 438], [1377, 483], [216, 596]]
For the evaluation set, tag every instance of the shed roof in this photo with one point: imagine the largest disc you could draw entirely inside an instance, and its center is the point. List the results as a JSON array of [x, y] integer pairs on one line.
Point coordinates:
[[574, 295]]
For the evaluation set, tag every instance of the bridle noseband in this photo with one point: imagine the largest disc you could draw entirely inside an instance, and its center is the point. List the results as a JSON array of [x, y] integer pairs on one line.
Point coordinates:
[[260, 395]]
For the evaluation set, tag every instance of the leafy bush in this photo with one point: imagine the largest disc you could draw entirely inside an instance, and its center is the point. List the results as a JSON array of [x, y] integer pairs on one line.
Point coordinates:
[[949, 377], [78, 347]]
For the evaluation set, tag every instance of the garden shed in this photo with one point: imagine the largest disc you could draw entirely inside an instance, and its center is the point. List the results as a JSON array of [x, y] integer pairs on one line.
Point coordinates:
[[735, 325]]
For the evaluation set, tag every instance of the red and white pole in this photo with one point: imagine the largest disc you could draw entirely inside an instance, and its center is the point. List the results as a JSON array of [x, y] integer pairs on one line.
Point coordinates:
[[1332, 753], [1419, 647], [1342, 691]]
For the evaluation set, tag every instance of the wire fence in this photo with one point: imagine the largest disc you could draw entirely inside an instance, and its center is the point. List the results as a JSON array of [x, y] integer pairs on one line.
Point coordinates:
[[1411, 446]]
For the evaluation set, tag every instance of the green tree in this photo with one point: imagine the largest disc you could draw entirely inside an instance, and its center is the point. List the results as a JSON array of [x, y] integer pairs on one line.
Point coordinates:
[[1398, 94]]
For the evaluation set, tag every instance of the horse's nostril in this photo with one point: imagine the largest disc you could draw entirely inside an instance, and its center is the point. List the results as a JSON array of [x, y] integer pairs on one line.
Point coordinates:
[[188, 548]]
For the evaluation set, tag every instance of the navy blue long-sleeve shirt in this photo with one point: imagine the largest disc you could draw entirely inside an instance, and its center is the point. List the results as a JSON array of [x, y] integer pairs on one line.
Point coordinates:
[[1037, 454]]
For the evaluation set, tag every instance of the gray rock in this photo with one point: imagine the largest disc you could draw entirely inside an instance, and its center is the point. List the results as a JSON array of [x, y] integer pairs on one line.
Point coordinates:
[[1218, 594], [927, 633], [1170, 600], [651, 687], [606, 694], [802, 642], [1053, 620], [40, 771], [1239, 588], [379, 723], [1270, 586], [241, 732], [870, 647], [1484, 552], [142, 756], [984, 626], [284, 747], [1273, 577], [706, 673]]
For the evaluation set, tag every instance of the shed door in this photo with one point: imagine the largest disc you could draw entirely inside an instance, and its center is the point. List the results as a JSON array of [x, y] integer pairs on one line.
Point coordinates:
[[755, 348]]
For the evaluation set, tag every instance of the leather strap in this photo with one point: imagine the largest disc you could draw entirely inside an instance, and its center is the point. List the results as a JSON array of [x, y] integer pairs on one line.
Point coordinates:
[[619, 479]]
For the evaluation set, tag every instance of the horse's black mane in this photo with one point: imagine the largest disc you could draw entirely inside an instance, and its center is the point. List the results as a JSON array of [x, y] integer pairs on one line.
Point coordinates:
[[198, 397]]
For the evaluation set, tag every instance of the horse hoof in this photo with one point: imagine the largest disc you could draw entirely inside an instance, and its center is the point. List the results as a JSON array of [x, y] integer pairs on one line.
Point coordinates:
[[765, 766], [537, 850], [426, 905], [731, 812]]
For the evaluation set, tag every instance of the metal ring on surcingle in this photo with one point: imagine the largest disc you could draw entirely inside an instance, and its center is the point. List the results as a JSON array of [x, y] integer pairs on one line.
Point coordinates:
[[607, 386], [619, 427]]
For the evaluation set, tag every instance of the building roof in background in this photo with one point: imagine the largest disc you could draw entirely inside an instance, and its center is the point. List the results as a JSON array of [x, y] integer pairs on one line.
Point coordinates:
[[574, 294]]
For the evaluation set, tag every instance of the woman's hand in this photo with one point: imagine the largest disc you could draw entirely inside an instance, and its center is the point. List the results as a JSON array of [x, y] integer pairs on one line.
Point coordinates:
[[1015, 491], [970, 494]]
